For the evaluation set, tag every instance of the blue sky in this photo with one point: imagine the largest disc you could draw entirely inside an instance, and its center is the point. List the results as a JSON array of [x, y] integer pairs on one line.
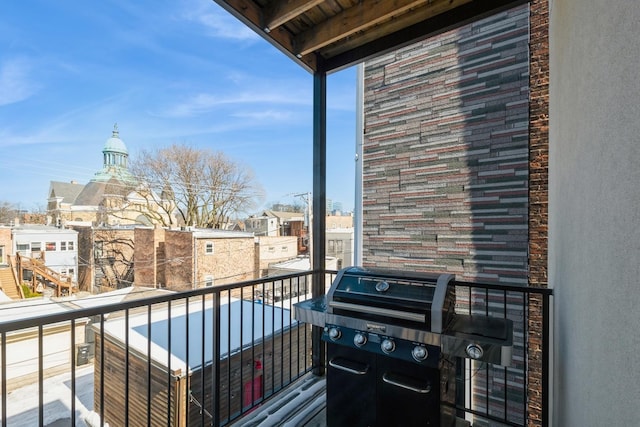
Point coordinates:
[[167, 71]]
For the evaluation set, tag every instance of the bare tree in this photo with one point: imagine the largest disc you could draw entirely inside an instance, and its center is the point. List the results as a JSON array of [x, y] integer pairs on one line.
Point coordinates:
[[113, 256], [195, 187], [8, 212]]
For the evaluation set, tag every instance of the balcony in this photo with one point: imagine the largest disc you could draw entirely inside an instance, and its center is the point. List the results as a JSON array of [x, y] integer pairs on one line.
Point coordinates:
[[226, 355]]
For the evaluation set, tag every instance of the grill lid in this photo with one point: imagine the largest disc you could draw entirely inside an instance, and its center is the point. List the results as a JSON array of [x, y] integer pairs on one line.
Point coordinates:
[[420, 300]]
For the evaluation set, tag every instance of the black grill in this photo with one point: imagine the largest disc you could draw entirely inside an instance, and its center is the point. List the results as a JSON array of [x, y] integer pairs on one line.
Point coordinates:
[[393, 343]]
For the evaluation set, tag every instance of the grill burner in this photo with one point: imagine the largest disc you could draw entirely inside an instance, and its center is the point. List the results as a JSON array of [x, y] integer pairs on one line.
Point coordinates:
[[392, 342]]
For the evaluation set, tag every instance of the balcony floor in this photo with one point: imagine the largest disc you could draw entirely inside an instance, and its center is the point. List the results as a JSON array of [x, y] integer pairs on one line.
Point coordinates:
[[302, 404]]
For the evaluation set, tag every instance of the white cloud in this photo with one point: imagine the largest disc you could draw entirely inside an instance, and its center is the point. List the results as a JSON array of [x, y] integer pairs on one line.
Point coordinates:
[[268, 115], [15, 85], [218, 22], [206, 102]]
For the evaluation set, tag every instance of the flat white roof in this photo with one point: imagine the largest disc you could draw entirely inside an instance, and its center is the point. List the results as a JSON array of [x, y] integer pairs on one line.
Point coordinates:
[[30, 308], [116, 296], [242, 325]]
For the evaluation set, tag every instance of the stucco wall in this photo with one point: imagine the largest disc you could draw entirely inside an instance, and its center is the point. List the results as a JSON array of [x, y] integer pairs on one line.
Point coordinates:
[[594, 211]]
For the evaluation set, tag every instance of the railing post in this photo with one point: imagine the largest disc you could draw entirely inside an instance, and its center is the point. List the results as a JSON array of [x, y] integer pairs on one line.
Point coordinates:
[[545, 360], [318, 231], [216, 357]]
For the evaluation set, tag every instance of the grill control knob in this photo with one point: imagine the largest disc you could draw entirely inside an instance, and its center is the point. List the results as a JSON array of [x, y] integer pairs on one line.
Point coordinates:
[[334, 334], [419, 353], [359, 339], [474, 351], [388, 346]]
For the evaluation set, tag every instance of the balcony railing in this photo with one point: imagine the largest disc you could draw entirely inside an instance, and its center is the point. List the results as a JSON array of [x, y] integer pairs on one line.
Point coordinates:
[[211, 355]]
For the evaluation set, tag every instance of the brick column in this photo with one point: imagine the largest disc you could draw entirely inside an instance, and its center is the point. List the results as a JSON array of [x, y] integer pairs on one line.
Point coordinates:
[[538, 196]]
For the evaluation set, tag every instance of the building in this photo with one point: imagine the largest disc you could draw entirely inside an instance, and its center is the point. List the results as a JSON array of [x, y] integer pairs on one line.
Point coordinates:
[[47, 257], [582, 189], [253, 361], [107, 255], [110, 198], [206, 257], [280, 223], [583, 195], [340, 246], [262, 225], [5, 244], [272, 250], [454, 197], [339, 221]]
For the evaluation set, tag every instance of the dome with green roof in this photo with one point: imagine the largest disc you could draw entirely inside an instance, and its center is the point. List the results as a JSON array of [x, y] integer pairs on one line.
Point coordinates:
[[115, 144], [116, 158]]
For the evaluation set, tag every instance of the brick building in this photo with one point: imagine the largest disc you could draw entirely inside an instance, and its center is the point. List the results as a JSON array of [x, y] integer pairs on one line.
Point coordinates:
[[106, 257]]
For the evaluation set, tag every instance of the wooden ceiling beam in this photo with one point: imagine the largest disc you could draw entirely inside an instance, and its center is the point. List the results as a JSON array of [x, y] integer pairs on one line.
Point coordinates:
[[250, 14], [284, 11], [420, 14], [366, 13]]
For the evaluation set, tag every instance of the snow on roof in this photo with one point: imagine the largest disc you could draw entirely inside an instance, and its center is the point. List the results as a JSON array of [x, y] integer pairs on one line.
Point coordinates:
[[241, 329], [30, 308], [117, 296], [4, 297], [214, 233]]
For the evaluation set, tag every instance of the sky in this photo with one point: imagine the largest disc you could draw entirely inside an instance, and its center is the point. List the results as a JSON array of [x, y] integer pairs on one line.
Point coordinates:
[[167, 72]]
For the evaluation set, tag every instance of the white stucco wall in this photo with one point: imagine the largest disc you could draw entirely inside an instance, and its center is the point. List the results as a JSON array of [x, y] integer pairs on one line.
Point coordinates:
[[594, 211]]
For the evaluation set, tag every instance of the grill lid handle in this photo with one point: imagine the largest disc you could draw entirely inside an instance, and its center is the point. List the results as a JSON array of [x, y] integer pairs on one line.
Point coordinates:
[[378, 311], [437, 305]]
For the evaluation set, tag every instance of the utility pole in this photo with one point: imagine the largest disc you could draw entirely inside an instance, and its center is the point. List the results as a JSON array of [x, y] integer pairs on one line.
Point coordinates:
[[308, 220]]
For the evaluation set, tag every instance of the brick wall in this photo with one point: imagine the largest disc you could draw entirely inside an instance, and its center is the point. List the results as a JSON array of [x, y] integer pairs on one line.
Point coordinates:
[[178, 267], [538, 197], [148, 256], [445, 158], [232, 261]]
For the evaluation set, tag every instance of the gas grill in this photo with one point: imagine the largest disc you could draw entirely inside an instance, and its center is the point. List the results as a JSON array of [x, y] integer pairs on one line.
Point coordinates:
[[393, 343]]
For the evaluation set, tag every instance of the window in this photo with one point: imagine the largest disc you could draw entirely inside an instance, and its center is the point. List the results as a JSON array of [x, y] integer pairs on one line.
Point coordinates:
[[70, 246], [22, 248], [208, 281], [63, 246], [285, 248], [339, 245], [72, 273], [51, 246], [208, 248], [36, 246], [332, 245]]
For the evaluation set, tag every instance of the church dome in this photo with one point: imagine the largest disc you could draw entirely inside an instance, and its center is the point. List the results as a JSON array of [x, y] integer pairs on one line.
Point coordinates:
[[115, 144]]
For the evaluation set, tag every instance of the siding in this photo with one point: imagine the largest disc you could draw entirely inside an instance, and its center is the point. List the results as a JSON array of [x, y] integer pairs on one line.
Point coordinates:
[[445, 156]]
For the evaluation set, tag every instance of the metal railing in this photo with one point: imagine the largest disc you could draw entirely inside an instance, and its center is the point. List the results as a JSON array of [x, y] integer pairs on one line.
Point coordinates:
[[211, 355], [515, 395], [202, 357]]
